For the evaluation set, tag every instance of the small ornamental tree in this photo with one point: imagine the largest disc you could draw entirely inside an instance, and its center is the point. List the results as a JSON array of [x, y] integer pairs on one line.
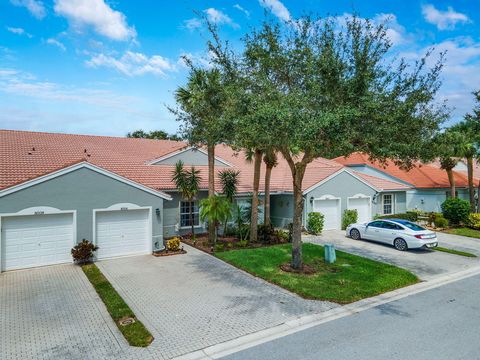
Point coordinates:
[[349, 217], [215, 209], [229, 179], [456, 210]]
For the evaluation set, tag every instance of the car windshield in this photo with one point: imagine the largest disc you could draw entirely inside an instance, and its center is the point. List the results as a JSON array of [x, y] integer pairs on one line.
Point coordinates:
[[411, 225]]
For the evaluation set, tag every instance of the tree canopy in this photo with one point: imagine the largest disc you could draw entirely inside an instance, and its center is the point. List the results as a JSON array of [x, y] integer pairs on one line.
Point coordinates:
[[154, 134]]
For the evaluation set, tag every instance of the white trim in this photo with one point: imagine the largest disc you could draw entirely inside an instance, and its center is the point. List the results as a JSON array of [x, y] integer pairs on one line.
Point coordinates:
[[82, 165], [330, 197], [199, 226], [330, 177], [362, 196], [393, 203], [124, 207], [181, 151], [38, 211]]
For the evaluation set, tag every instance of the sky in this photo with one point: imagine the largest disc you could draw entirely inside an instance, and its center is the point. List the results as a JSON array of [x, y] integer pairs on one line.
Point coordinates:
[[109, 67]]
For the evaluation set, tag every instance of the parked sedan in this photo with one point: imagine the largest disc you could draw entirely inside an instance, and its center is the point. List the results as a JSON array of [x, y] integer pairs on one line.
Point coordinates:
[[402, 234]]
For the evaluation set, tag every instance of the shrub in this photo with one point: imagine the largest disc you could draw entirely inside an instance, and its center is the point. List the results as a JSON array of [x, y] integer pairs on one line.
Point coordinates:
[[265, 233], [474, 221], [290, 232], [173, 244], [231, 231], [242, 243], [432, 216], [349, 217], [440, 222], [410, 216], [219, 247], [456, 210], [82, 253], [315, 222], [283, 235]]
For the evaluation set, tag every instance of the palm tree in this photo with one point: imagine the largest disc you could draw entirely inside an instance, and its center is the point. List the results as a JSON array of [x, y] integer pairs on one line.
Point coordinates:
[[270, 160], [215, 209], [447, 147], [229, 179], [188, 184], [202, 103]]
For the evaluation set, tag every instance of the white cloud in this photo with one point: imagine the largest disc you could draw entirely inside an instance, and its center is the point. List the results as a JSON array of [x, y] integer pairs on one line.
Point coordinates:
[[97, 14], [246, 12], [444, 20], [218, 17], [56, 43], [19, 31], [395, 32], [133, 63], [201, 60], [277, 8], [192, 24], [35, 7]]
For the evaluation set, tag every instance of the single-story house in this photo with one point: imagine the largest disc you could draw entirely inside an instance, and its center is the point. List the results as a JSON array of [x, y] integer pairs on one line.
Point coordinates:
[[57, 189], [428, 184]]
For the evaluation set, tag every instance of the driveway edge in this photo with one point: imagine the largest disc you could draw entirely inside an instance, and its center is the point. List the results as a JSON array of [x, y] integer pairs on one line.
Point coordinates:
[[292, 326]]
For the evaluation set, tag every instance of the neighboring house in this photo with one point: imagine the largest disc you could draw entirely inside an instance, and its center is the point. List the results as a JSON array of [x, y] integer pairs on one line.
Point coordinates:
[[57, 189], [429, 185]]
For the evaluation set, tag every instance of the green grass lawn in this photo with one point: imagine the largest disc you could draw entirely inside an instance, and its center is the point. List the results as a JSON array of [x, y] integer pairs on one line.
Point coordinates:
[[463, 231], [453, 251], [135, 333], [350, 279]]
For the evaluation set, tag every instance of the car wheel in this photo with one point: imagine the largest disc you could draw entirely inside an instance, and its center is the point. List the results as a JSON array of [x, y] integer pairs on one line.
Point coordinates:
[[355, 234], [400, 244]]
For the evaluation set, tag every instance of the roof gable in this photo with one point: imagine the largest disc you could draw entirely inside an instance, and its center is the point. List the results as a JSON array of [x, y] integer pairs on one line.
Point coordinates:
[[190, 156]]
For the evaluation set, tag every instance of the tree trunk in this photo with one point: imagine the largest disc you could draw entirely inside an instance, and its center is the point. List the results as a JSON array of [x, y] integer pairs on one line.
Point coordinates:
[[451, 179], [256, 185], [471, 187], [298, 203], [191, 221], [211, 188], [266, 215]]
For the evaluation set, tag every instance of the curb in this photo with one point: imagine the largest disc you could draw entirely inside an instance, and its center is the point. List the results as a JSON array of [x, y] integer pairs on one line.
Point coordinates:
[[292, 326]]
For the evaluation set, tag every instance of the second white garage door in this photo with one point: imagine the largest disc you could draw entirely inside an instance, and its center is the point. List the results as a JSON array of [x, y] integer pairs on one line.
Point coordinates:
[[362, 205], [330, 208], [122, 232]]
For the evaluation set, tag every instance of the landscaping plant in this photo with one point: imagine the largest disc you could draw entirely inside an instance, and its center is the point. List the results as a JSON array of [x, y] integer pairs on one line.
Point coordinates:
[[349, 217], [215, 209], [474, 221], [173, 244], [456, 210], [83, 252], [440, 222], [315, 222]]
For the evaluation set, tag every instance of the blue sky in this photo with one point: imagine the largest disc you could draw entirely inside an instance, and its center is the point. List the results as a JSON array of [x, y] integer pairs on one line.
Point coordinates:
[[109, 67]]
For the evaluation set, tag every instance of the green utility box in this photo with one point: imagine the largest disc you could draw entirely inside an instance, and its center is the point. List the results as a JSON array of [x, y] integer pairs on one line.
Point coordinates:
[[330, 256]]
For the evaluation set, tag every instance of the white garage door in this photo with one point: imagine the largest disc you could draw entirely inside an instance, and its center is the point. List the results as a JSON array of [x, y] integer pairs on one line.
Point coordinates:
[[36, 240], [330, 208], [122, 232], [362, 205]]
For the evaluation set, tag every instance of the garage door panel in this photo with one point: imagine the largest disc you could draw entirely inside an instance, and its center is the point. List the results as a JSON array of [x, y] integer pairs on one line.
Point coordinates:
[[29, 241], [362, 205], [330, 208], [120, 233]]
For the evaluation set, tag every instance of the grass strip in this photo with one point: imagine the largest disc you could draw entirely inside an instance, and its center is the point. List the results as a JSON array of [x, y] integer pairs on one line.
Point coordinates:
[[135, 333], [350, 279], [464, 231], [456, 252]]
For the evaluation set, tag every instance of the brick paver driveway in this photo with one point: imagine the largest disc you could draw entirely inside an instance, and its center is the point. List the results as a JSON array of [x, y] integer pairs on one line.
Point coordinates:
[[188, 302], [193, 301]]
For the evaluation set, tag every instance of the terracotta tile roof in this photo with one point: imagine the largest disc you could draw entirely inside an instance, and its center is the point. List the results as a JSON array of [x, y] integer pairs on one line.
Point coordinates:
[[382, 184], [26, 155], [420, 176], [476, 167]]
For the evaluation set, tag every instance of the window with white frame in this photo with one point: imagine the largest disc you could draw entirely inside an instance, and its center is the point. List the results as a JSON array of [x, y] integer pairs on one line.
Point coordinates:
[[387, 204], [185, 208]]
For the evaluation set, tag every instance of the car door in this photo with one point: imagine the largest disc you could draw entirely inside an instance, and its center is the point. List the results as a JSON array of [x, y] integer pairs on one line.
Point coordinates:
[[389, 232], [372, 230]]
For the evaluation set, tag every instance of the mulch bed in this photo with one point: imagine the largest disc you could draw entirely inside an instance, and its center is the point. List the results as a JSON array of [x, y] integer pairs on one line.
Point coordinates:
[[168, 253], [307, 269], [230, 243]]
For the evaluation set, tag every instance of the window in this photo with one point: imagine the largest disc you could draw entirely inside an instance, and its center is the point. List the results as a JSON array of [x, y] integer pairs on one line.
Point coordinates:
[[185, 208], [387, 204], [390, 226], [377, 224], [412, 226]]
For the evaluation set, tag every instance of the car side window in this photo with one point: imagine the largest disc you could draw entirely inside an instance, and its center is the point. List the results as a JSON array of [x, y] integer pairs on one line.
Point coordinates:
[[377, 224], [390, 226]]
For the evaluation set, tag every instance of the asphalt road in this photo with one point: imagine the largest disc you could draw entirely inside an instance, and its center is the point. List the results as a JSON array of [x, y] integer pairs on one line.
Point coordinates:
[[443, 323]]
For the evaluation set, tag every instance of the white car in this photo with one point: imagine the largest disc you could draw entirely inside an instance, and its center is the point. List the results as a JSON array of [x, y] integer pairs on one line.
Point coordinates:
[[402, 234]]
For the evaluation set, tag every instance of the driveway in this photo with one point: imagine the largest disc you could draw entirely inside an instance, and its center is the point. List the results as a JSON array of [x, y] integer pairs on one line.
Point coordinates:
[[426, 264], [187, 301]]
